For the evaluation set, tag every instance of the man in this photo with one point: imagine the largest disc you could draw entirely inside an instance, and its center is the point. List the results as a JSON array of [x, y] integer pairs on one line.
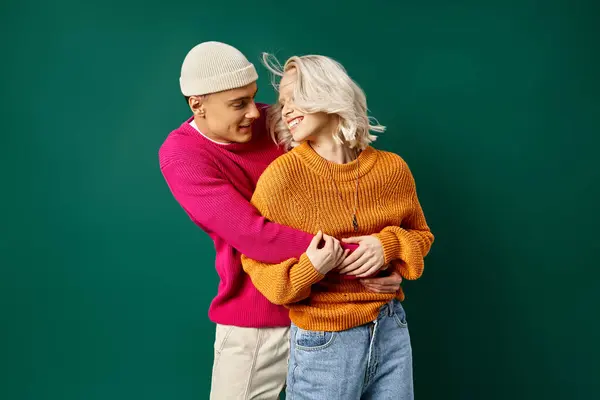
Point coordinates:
[[211, 164]]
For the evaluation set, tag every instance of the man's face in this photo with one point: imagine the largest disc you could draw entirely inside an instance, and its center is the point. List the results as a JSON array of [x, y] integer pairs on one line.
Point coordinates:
[[227, 116]]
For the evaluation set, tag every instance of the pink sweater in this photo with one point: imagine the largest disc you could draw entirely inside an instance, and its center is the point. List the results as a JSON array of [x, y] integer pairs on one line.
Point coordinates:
[[214, 184]]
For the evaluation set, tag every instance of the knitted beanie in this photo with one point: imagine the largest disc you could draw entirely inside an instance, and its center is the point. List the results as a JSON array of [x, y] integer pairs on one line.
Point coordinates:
[[212, 67]]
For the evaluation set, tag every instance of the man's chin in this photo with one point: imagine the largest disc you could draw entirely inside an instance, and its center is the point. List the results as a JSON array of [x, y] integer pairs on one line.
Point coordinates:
[[243, 138]]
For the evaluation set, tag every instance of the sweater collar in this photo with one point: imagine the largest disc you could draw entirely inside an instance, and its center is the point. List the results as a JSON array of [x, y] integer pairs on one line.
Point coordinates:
[[340, 172]]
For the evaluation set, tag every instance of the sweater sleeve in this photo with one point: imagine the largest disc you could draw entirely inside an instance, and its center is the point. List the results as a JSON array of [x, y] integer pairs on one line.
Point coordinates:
[[282, 283], [406, 246], [214, 204]]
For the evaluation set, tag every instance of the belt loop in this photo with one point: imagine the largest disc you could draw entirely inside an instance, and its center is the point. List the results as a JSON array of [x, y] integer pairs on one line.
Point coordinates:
[[390, 308]]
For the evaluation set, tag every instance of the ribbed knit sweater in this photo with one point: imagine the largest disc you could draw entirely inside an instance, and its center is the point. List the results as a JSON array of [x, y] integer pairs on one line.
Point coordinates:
[[297, 190], [214, 183]]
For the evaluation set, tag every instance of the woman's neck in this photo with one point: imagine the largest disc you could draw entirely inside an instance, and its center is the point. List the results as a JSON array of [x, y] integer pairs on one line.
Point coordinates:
[[332, 150]]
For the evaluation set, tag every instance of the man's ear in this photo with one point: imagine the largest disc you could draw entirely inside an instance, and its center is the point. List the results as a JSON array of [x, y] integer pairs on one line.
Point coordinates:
[[197, 105]]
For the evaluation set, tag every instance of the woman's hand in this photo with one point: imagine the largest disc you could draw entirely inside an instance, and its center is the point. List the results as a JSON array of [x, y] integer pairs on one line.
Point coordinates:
[[367, 259], [329, 256]]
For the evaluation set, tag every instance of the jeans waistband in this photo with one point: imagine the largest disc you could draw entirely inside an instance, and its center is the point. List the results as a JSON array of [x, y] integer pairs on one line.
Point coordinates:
[[388, 308]]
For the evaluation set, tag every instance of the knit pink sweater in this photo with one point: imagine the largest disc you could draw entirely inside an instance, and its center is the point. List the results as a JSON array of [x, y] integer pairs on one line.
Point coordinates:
[[214, 184]]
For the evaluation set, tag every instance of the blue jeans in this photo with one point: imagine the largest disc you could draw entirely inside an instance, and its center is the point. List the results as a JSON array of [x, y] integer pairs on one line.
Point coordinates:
[[372, 361]]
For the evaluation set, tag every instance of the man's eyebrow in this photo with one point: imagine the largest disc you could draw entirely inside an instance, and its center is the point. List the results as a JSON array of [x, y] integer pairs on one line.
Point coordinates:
[[244, 97]]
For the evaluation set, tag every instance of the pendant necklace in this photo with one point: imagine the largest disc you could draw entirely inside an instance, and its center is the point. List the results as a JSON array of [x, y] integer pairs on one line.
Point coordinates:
[[355, 211]]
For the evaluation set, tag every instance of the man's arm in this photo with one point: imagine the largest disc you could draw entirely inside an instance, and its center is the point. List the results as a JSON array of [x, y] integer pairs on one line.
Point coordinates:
[[216, 206], [383, 284], [291, 281]]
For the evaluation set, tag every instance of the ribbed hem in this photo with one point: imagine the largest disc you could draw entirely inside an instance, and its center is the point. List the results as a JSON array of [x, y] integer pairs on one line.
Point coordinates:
[[327, 316], [304, 274], [391, 245], [247, 307], [410, 254], [339, 172]]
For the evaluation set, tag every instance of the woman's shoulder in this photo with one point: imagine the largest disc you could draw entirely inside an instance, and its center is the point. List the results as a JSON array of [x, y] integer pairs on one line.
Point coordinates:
[[391, 161], [277, 188], [396, 170], [280, 173], [286, 163]]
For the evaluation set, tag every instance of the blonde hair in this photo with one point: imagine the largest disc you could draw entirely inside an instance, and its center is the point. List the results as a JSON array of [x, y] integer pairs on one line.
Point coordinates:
[[322, 85]]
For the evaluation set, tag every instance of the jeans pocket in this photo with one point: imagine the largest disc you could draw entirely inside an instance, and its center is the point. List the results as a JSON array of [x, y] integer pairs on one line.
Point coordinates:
[[313, 340], [400, 316]]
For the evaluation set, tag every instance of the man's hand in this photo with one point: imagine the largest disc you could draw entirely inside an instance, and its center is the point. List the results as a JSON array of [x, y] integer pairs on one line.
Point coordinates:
[[367, 259], [386, 284]]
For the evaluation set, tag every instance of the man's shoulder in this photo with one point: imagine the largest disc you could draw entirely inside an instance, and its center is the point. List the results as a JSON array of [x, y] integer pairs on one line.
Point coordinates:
[[181, 146]]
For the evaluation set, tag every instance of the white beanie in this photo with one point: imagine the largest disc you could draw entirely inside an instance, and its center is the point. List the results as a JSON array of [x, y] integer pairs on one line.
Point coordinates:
[[212, 67]]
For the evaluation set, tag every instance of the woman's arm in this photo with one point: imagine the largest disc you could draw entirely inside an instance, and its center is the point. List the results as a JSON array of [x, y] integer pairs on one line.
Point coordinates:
[[404, 246], [283, 283], [290, 281]]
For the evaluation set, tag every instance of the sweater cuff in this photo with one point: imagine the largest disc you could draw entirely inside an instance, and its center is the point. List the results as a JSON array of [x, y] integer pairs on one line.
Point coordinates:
[[304, 273], [391, 245]]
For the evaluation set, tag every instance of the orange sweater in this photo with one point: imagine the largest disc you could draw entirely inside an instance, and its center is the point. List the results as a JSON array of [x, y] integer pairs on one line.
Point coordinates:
[[296, 190]]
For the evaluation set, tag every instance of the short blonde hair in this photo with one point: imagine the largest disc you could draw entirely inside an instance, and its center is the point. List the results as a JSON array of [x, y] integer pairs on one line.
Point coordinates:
[[322, 85]]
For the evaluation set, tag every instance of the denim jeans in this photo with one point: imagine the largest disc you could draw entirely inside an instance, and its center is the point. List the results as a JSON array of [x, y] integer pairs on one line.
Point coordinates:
[[372, 361]]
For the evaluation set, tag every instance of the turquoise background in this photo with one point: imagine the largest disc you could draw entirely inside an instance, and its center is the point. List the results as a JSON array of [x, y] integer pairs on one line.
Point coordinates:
[[105, 283]]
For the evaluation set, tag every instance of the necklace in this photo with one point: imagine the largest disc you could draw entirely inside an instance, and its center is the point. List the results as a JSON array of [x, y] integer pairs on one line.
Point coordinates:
[[355, 211]]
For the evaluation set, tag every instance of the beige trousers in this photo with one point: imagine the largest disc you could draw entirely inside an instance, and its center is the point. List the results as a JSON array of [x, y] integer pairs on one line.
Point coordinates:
[[249, 363]]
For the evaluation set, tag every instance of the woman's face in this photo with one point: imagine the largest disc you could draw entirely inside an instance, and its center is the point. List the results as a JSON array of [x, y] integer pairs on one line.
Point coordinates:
[[302, 126]]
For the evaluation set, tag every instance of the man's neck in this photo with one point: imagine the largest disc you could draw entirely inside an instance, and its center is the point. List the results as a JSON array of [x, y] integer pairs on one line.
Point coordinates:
[[199, 124]]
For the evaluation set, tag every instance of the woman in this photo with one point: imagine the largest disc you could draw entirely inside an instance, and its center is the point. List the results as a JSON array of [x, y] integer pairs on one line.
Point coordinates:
[[346, 342]]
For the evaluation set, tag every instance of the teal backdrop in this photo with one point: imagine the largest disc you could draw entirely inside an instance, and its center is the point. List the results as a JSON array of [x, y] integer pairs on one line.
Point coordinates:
[[105, 283]]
